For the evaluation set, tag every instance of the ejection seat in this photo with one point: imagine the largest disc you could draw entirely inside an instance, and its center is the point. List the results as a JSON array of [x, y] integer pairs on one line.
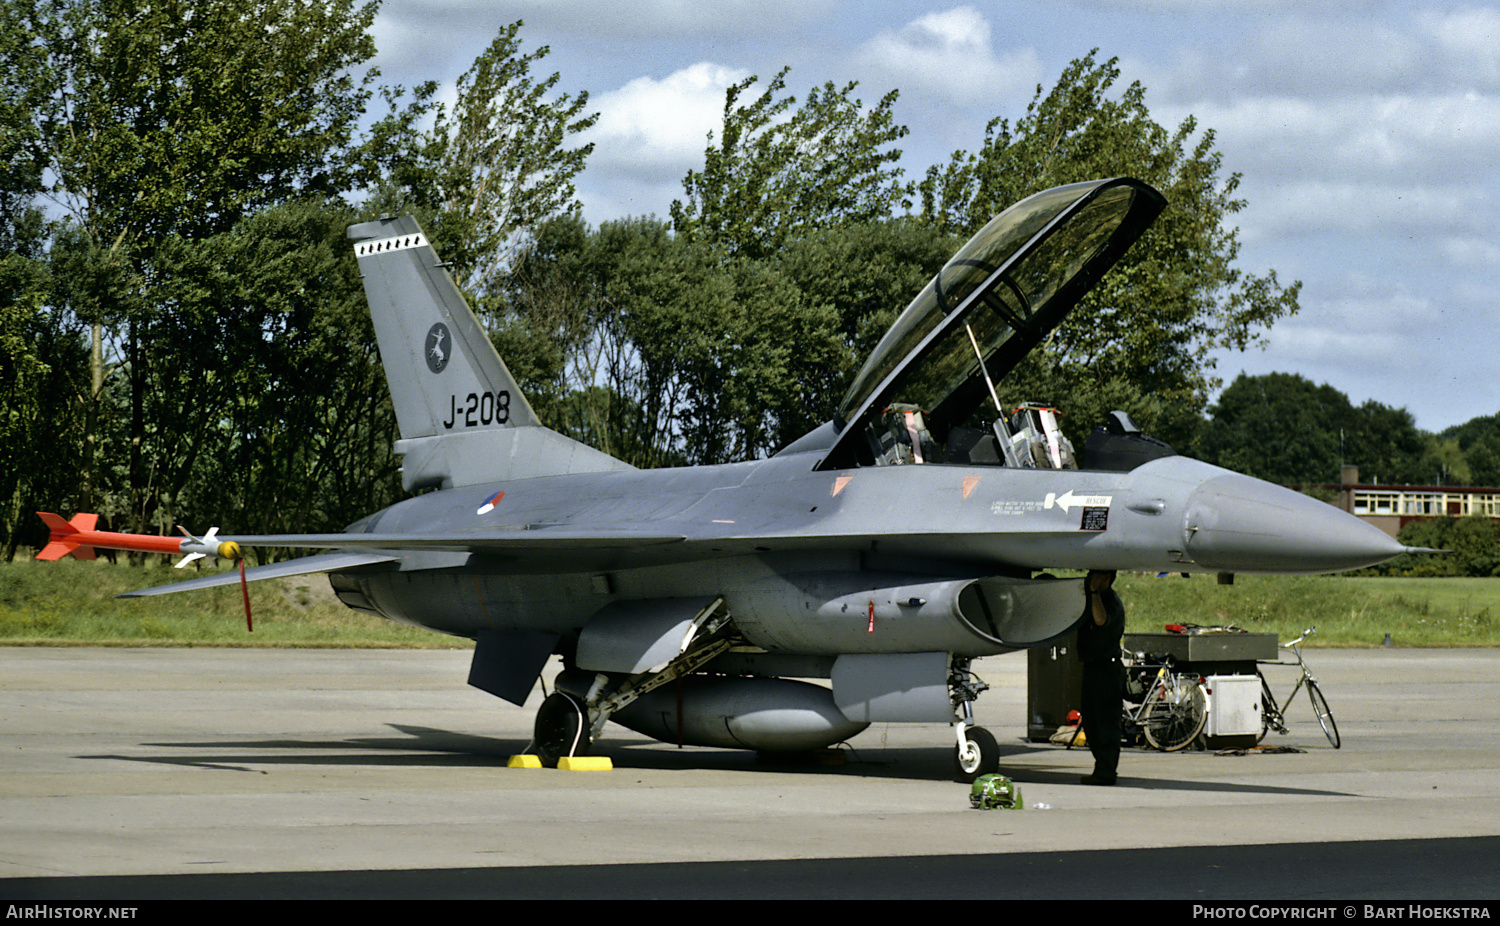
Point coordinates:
[[903, 437], [1039, 438]]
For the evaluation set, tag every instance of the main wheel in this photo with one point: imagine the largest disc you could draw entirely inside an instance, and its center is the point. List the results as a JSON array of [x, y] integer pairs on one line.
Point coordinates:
[[979, 755], [1176, 716], [1325, 716], [561, 729]]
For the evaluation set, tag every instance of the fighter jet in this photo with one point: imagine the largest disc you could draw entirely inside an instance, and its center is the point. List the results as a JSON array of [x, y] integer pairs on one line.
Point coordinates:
[[877, 556]]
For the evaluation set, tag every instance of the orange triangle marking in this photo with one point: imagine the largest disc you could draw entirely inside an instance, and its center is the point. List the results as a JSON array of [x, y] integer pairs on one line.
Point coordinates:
[[969, 483], [840, 482]]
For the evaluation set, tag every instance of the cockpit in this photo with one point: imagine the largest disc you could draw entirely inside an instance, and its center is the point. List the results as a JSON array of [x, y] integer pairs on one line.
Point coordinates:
[[935, 374], [1030, 437]]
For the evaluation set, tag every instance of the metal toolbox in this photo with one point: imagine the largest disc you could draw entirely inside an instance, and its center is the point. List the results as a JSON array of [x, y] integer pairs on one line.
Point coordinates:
[[1206, 647]]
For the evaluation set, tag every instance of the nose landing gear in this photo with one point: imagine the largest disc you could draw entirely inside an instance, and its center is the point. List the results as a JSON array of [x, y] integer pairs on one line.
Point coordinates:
[[976, 752]]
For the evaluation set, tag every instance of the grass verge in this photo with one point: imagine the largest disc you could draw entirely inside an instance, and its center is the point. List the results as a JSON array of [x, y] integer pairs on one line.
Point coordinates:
[[1347, 611], [70, 603]]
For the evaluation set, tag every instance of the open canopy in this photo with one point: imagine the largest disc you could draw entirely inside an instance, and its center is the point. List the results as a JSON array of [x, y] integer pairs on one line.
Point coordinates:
[[1004, 291]]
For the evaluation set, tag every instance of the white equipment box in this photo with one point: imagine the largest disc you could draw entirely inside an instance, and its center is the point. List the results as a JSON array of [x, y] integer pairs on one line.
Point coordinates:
[[1233, 705]]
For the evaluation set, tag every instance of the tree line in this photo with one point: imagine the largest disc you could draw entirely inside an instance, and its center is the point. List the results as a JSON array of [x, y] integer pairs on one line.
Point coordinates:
[[1283, 428], [183, 335]]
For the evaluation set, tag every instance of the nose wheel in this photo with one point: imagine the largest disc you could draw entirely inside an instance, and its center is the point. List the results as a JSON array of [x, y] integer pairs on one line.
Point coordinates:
[[977, 753]]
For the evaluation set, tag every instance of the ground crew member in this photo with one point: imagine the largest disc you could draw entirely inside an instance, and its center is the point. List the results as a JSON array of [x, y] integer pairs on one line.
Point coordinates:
[[1103, 676]]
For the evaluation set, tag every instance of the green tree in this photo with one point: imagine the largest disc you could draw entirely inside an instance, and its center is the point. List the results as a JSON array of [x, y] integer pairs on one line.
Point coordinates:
[[1283, 428], [169, 122], [1176, 296], [1387, 446], [553, 330], [865, 275], [496, 166], [1479, 441], [1279, 427], [653, 349], [776, 173], [42, 358], [175, 118], [692, 343], [301, 439], [1472, 546], [1446, 461], [574, 307]]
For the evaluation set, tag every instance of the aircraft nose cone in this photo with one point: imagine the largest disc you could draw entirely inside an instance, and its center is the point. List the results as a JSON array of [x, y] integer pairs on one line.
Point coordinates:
[[1238, 524]]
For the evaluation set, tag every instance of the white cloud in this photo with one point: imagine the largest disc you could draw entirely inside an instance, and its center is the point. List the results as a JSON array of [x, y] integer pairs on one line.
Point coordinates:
[[1470, 39], [651, 126], [1318, 346], [1314, 57], [1425, 135], [1325, 56], [948, 55], [1471, 252], [1375, 338], [1364, 131], [1215, 7], [1337, 340], [650, 133], [1354, 210]]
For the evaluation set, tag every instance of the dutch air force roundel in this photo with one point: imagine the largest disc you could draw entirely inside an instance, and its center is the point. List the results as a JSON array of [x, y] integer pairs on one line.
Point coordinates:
[[438, 348]]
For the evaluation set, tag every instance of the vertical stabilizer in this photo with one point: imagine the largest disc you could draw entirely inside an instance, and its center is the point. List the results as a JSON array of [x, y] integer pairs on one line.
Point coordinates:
[[444, 374], [463, 420]]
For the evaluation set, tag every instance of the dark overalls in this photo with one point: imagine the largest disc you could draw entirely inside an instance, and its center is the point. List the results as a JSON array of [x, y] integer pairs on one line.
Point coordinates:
[[1103, 683]]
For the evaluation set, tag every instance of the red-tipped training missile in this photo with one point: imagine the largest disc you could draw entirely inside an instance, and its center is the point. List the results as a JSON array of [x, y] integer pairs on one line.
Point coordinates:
[[79, 538]]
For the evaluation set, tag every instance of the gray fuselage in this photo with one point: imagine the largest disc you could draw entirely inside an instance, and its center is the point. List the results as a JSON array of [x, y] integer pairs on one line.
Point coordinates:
[[769, 534]]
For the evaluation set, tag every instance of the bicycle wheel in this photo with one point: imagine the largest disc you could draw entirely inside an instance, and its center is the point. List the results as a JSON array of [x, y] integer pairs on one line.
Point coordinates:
[[1176, 714], [1270, 713], [1325, 716]]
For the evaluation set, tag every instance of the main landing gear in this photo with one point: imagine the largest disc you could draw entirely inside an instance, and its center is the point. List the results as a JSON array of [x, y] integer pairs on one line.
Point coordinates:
[[573, 716], [561, 730], [976, 752]]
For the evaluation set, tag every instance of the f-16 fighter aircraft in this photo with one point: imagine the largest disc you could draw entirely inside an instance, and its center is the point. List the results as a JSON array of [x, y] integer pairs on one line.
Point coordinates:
[[883, 551]]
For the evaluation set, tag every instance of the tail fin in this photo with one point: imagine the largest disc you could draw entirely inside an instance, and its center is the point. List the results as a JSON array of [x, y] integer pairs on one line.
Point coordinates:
[[60, 546], [463, 420]]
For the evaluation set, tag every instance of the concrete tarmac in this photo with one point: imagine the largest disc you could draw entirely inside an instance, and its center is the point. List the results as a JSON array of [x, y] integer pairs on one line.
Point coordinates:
[[165, 763]]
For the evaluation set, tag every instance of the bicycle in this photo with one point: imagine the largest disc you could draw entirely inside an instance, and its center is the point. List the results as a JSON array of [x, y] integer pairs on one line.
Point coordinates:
[[1173, 707], [1271, 716]]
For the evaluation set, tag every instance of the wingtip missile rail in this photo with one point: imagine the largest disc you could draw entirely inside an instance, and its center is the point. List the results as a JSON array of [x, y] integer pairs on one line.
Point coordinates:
[[79, 537]]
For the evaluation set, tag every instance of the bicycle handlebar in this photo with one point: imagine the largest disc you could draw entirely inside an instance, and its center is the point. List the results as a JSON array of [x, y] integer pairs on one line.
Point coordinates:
[[1305, 634]]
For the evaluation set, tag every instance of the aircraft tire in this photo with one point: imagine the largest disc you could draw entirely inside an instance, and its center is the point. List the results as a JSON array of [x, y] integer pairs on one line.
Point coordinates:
[[561, 729], [979, 756]]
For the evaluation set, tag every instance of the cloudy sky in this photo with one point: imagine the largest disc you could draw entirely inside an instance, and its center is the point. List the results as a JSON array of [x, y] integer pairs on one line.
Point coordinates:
[[1367, 133]]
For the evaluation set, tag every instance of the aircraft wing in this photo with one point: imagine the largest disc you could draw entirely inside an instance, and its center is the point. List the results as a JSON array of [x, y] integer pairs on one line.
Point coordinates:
[[357, 550], [307, 565], [584, 549], [540, 540]]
